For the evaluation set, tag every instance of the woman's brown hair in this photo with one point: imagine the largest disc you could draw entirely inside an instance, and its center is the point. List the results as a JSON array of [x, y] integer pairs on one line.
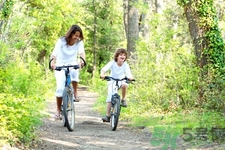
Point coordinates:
[[118, 52], [73, 29]]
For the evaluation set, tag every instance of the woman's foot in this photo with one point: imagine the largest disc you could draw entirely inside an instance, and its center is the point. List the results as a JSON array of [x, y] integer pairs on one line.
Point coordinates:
[[76, 99], [58, 117]]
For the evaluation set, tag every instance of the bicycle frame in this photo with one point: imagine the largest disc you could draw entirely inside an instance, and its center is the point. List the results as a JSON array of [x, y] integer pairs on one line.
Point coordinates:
[[68, 105], [115, 101], [116, 87], [68, 80]]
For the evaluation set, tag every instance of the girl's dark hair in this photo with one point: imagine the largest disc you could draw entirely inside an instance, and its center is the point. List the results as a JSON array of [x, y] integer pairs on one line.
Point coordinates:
[[118, 52], [73, 29]]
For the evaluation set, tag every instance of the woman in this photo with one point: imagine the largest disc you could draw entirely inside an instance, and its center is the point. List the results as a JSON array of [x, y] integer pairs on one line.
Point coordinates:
[[66, 50]]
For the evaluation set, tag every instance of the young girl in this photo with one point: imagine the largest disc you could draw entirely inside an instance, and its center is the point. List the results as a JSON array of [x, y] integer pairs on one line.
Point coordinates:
[[119, 68], [65, 52]]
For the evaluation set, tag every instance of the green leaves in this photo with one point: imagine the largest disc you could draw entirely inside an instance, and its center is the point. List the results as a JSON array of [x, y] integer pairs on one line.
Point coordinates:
[[7, 9]]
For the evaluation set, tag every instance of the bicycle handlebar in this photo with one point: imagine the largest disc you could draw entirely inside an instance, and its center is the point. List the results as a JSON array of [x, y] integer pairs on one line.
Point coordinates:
[[108, 78], [68, 66], [59, 68]]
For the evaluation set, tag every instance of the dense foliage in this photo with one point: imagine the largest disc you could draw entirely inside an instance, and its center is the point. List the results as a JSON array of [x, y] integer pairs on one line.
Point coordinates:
[[19, 102]]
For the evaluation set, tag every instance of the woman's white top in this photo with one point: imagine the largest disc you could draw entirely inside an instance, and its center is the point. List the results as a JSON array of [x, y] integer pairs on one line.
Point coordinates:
[[66, 54], [118, 72]]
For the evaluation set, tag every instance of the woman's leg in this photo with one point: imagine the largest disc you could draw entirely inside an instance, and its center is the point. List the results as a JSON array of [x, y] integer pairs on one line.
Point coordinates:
[[75, 86], [74, 75], [59, 103], [60, 83]]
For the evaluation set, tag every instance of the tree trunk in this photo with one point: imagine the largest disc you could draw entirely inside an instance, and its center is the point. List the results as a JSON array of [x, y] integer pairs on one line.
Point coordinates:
[[159, 6], [94, 40], [125, 16], [197, 35], [133, 28], [208, 45]]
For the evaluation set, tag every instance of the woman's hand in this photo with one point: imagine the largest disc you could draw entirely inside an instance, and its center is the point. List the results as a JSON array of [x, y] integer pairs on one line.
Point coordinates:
[[102, 75], [82, 64], [53, 66]]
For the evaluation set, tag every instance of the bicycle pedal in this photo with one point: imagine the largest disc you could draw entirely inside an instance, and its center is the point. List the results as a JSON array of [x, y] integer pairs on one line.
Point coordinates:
[[105, 121]]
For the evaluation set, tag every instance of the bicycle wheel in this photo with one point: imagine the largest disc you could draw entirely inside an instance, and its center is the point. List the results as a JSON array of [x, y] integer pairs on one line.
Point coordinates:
[[68, 108], [115, 113]]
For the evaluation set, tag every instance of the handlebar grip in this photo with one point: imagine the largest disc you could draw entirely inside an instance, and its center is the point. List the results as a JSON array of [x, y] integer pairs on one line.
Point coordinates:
[[83, 61], [107, 78], [76, 67], [58, 69], [49, 64]]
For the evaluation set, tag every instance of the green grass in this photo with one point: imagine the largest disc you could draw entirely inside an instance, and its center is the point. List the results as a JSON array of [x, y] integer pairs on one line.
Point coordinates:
[[169, 126]]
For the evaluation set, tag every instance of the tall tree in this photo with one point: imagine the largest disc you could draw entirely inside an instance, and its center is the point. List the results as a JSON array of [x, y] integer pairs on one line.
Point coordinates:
[[209, 46], [125, 16], [159, 6], [133, 26]]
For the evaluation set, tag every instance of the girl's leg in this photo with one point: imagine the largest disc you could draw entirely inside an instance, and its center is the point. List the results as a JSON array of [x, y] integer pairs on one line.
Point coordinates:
[[124, 91], [107, 117], [108, 102], [108, 108]]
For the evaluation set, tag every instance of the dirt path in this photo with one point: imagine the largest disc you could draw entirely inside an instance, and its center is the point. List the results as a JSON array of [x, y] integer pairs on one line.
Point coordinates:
[[90, 132]]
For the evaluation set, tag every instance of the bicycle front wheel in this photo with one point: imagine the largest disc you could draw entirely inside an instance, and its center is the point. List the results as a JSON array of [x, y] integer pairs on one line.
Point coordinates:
[[68, 108], [115, 113]]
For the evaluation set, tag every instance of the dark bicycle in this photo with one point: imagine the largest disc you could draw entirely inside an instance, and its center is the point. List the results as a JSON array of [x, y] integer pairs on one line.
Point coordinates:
[[68, 109], [115, 101]]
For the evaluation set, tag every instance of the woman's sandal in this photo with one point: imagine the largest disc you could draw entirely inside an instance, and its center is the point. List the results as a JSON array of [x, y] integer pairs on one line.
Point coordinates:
[[58, 117]]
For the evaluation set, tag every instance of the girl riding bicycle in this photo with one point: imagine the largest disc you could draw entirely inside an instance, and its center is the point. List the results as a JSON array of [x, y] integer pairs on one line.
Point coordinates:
[[65, 52], [119, 68]]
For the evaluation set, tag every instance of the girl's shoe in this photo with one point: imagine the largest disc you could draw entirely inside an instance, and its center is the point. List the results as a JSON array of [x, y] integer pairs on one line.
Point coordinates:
[[106, 119], [124, 103]]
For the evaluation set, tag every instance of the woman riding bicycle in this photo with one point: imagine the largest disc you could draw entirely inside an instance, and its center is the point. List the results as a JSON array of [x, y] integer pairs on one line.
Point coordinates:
[[119, 69], [65, 53]]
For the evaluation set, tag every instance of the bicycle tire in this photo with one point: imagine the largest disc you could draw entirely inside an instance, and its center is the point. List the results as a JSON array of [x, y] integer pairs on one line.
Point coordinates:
[[68, 108], [115, 113], [63, 118]]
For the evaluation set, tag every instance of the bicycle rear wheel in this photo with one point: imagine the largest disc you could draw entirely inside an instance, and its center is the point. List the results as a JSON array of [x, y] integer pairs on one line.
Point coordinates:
[[115, 113], [68, 108]]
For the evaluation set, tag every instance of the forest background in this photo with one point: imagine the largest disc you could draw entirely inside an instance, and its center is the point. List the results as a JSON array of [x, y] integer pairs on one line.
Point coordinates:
[[176, 53]]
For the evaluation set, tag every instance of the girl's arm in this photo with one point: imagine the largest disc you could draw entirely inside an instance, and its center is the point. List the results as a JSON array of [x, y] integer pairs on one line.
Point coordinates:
[[128, 72], [105, 69]]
